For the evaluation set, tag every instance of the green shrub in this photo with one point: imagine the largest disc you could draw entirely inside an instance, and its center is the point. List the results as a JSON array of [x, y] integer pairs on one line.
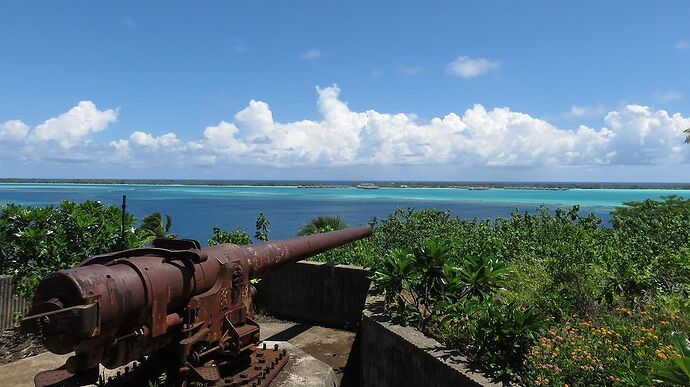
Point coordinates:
[[237, 236], [35, 241], [645, 234], [460, 305], [495, 334], [561, 266]]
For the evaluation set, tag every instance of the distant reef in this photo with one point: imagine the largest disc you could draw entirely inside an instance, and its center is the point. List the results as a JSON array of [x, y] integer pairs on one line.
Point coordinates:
[[478, 185]]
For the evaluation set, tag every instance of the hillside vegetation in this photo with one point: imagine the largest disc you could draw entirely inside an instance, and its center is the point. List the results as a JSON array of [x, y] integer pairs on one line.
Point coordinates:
[[546, 298], [541, 299]]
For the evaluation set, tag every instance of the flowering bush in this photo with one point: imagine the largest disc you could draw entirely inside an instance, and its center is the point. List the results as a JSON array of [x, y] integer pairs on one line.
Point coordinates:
[[618, 349], [561, 266]]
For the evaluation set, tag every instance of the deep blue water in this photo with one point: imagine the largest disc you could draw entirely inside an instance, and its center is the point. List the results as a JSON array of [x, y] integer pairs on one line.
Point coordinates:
[[196, 209]]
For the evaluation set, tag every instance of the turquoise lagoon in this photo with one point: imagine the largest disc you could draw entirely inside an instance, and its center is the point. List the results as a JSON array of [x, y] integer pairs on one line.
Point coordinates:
[[196, 209]]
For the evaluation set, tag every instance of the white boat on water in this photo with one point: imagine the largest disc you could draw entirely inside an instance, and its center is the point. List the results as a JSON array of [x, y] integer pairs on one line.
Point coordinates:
[[367, 186]]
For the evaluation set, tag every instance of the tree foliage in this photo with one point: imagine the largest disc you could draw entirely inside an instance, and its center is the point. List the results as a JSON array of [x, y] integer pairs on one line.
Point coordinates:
[[237, 236], [322, 224], [262, 228], [555, 267], [152, 227], [35, 241]]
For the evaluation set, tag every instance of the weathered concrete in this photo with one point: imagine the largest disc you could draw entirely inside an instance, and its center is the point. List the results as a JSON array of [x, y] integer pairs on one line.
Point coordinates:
[[392, 355], [303, 370], [320, 355], [21, 372], [331, 346], [320, 293]]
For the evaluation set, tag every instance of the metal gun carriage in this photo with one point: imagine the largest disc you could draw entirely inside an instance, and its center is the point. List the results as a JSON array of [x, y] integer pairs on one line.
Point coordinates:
[[176, 301]]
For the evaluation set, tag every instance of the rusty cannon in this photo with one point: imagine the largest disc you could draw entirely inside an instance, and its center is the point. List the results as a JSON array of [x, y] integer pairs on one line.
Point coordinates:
[[185, 308]]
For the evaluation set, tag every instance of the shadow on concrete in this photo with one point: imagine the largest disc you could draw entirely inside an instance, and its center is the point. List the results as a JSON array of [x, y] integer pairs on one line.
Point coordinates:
[[353, 369], [289, 333]]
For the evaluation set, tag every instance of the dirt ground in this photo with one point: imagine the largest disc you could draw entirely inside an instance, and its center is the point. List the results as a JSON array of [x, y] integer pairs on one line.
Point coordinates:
[[15, 346]]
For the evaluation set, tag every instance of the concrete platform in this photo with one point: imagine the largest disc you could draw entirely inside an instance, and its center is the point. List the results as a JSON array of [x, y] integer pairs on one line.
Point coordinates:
[[331, 346], [303, 370], [320, 356], [21, 372]]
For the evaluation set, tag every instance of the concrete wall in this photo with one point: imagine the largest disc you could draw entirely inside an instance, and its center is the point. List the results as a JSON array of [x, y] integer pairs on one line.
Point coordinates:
[[392, 355], [319, 293], [383, 354]]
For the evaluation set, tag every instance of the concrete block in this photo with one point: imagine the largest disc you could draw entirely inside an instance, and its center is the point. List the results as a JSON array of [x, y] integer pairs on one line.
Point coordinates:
[[303, 370], [393, 355], [21, 372], [319, 293]]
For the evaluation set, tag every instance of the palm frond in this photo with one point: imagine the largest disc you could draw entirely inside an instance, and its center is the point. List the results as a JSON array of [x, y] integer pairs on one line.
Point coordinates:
[[322, 224]]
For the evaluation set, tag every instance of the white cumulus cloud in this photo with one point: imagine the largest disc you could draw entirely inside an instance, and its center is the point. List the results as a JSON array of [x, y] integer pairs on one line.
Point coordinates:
[[642, 135], [468, 67], [634, 134], [13, 130], [341, 136], [65, 138], [75, 126]]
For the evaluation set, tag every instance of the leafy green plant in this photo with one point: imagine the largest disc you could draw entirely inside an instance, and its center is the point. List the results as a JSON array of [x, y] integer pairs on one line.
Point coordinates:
[[35, 241], [262, 229], [678, 373], [237, 236], [503, 335], [482, 276], [545, 267], [152, 227], [394, 273]]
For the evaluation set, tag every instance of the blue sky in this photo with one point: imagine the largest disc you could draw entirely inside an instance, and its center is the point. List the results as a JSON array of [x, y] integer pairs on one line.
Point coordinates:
[[496, 90]]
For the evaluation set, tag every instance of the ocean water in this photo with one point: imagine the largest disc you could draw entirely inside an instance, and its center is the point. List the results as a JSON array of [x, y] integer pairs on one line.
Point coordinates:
[[195, 210]]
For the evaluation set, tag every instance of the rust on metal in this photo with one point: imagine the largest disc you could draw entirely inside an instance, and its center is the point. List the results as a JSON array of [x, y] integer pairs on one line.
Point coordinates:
[[173, 297]]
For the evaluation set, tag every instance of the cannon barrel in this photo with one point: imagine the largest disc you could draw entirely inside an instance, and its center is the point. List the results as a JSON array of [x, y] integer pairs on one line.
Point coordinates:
[[117, 307], [264, 256]]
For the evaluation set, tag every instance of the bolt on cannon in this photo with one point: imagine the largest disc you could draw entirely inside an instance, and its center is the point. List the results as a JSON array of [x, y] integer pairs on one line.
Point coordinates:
[[187, 307]]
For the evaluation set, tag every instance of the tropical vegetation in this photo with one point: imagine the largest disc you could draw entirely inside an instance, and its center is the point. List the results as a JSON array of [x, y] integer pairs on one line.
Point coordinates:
[[322, 224], [152, 227], [551, 297], [35, 241], [541, 298]]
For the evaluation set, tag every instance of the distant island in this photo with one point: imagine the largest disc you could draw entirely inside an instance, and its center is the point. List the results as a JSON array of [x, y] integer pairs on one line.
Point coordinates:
[[469, 185]]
